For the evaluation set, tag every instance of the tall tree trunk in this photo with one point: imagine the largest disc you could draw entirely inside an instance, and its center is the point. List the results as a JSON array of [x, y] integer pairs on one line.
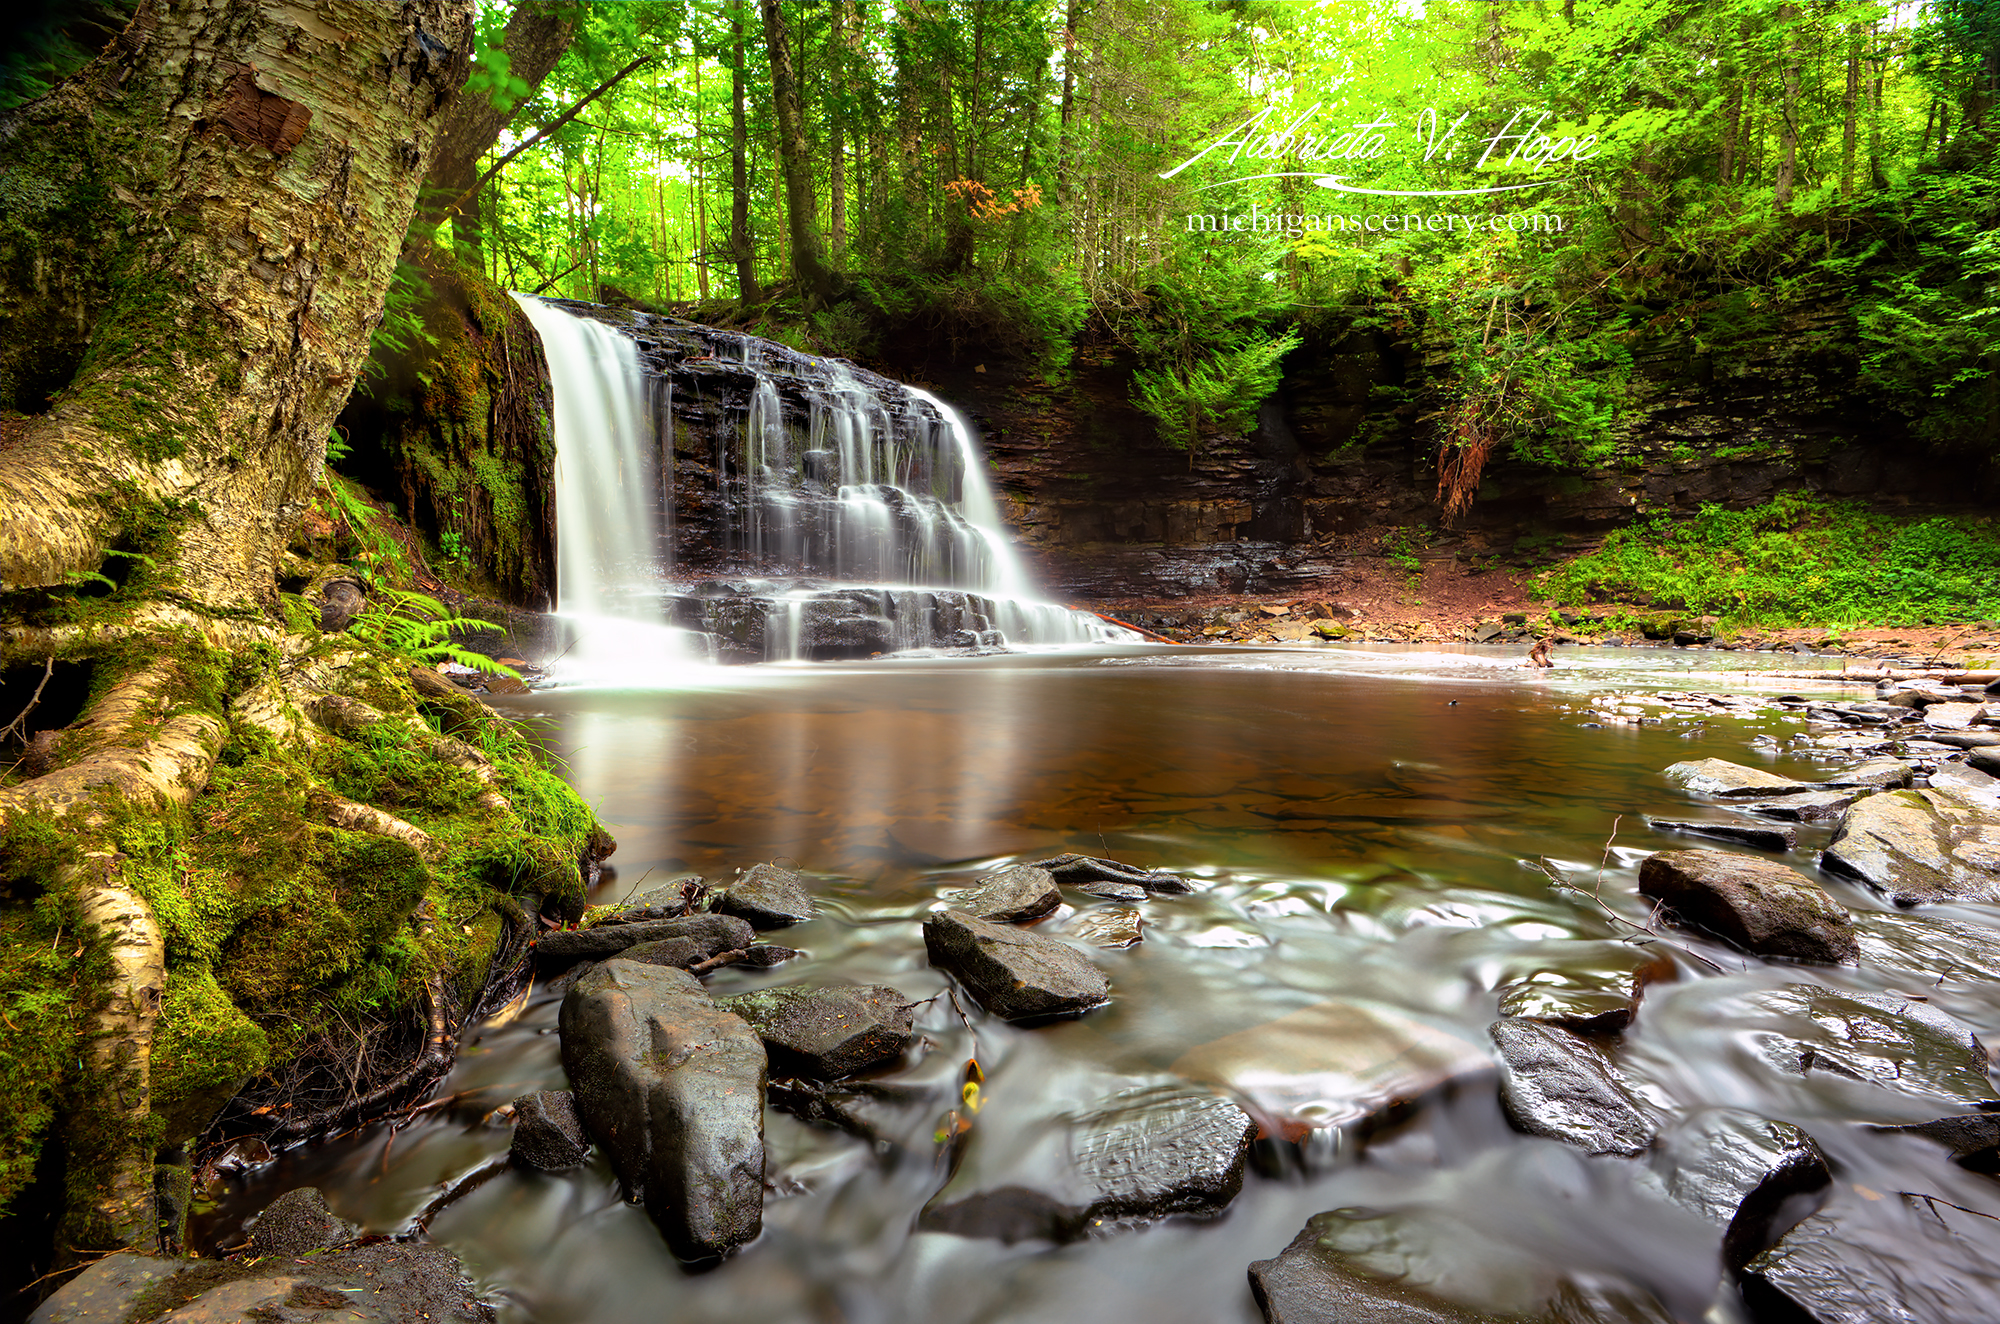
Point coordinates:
[[1788, 121], [836, 118], [1850, 104], [741, 248], [1072, 12], [537, 35], [809, 262], [909, 18]]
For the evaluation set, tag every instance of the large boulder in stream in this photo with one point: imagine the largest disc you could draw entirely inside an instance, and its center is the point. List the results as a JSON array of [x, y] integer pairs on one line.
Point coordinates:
[[708, 934], [1757, 905], [672, 1087], [768, 897], [1014, 974], [1560, 1086], [1154, 1149], [1919, 847], [827, 1033], [1897, 1044], [1012, 896], [1732, 781]]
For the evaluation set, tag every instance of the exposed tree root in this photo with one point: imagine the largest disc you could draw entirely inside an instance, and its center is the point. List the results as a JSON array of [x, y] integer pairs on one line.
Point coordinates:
[[121, 1043], [366, 818]]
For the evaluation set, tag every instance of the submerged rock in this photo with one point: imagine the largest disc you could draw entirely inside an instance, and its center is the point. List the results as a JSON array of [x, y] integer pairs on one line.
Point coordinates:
[[883, 1113], [1919, 847], [1111, 927], [827, 1033], [768, 897], [1334, 1064], [1014, 974], [1076, 870], [1748, 834], [1732, 781], [1014, 895], [1328, 1276], [1910, 1047], [672, 1087], [1757, 905], [548, 1134], [1147, 1152], [708, 933], [1597, 992], [1972, 1138], [297, 1222], [1558, 1085], [1927, 948], [1737, 1170], [1870, 1256]]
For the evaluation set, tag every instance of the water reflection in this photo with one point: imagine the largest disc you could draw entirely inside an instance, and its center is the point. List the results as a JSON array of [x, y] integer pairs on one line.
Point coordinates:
[[1367, 831]]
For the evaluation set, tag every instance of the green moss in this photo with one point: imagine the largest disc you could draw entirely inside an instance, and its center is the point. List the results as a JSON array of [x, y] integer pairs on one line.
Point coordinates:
[[204, 1050], [48, 985]]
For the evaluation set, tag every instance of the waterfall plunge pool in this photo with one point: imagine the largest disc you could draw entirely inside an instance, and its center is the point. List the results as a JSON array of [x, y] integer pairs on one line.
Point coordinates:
[[1365, 827]]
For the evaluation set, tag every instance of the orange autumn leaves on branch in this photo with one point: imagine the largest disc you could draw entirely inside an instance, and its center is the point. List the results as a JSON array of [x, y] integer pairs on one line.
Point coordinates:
[[985, 205]]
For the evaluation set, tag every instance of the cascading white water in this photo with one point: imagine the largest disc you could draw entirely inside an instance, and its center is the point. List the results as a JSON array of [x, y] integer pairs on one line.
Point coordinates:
[[608, 576]]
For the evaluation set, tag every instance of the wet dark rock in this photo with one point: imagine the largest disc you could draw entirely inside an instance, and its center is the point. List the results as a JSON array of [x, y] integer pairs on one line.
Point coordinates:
[[1335, 1064], [667, 902], [1927, 949], [827, 1033], [1919, 847], [299, 1221], [1985, 760], [764, 955], [1147, 1152], [1114, 891], [1870, 1256], [768, 897], [1874, 774], [340, 601], [1814, 807], [1109, 927], [548, 1134], [1758, 905], [1739, 1170], [105, 1292], [883, 1113], [1075, 870], [1972, 1138], [1747, 834], [708, 933], [1014, 895], [1732, 781], [1014, 974], [1321, 1278], [1591, 996], [672, 1087], [1964, 739], [1558, 1085], [1902, 1045]]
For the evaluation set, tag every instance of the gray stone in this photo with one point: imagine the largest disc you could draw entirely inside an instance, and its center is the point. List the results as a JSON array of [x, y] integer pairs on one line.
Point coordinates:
[[1972, 1138], [381, 1282], [1874, 775], [708, 933], [1747, 834], [1965, 739], [768, 897], [1918, 847], [1556, 1084], [1147, 1152], [1985, 760], [889, 1116], [1014, 895], [1870, 1256], [340, 601], [1732, 781], [1014, 974], [299, 1221], [105, 1291], [1075, 870], [1907, 1046], [1953, 716], [1114, 891], [1812, 807], [1334, 1064], [827, 1033], [1758, 905], [669, 901], [548, 1134], [1737, 1170], [672, 1087]]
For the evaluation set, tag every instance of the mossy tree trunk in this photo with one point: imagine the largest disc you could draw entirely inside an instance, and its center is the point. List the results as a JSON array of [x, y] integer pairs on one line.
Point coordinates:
[[240, 831]]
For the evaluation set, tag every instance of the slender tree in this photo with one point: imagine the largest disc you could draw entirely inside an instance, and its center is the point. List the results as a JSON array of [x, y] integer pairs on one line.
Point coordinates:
[[809, 262]]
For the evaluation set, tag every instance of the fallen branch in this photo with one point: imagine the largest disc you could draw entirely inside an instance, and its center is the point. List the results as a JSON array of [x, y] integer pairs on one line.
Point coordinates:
[[452, 1194], [21, 718]]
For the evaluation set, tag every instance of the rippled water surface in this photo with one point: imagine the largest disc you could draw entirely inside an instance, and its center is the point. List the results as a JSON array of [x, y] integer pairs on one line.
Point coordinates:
[[1377, 828]]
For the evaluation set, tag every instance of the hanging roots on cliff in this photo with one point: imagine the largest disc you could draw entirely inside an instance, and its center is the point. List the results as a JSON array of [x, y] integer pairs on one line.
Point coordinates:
[[1462, 455]]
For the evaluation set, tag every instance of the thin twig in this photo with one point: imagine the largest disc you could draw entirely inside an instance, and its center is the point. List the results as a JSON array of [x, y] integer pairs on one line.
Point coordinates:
[[21, 718], [453, 1193], [719, 960]]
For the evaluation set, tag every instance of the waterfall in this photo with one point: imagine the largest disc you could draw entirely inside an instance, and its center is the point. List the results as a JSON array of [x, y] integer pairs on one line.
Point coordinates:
[[832, 512]]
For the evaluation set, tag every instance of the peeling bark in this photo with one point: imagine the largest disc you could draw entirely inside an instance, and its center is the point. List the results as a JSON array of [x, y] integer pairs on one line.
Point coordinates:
[[121, 1046]]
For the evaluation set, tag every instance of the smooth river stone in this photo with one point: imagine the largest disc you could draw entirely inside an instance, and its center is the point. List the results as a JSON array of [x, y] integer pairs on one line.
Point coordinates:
[[1870, 1257], [1810, 807], [710, 933], [672, 1088], [1558, 1085], [1736, 1170], [1147, 1152], [1972, 1138], [1909, 1047], [1953, 716], [1757, 905], [1076, 870], [1012, 973], [1595, 992], [1333, 1064], [768, 898], [1874, 775], [1012, 896], [1732, 781], [827, 1033], [1919, 847], [1747, 834], [548, 1134]]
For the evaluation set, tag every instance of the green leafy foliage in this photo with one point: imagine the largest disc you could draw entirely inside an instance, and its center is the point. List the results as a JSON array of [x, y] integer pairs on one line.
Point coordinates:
[[1219, 392], [1795, 560], [418, 626]]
